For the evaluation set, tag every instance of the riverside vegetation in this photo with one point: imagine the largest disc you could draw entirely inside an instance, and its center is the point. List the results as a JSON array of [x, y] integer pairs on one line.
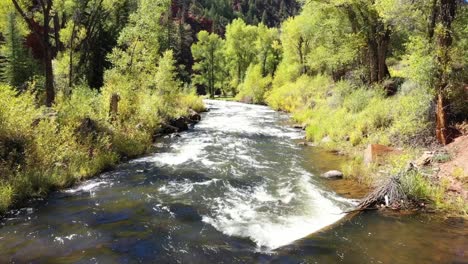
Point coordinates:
[[352, 72], [54, 134], [355, 73]]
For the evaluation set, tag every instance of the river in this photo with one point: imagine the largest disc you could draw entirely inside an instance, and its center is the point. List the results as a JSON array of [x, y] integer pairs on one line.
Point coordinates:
[[237, 188]]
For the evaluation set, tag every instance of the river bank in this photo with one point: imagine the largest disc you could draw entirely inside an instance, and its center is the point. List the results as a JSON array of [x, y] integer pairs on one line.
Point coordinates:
[[236, 188], [371, 158], [47, 149]]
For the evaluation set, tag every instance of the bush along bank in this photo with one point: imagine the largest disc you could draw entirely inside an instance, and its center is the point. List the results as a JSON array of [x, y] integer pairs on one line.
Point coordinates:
[[85, 132], [359, 75], [387, 138]]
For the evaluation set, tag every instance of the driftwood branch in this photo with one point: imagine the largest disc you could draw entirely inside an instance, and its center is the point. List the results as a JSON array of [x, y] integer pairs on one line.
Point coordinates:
[[390, 192]]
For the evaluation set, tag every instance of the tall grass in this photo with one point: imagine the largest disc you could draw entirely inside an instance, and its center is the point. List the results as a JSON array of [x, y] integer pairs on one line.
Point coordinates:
[[353, 116], [43, 149]]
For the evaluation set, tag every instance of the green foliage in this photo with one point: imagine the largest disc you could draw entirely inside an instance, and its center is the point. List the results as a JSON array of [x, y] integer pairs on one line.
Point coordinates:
[[209, 65], [19, 64], [165, 78], [254, 87], [268, 49], [417, 186], [46, 148], [353, 116], [421, 62], [6, 197], [298, 95], [238, 50]]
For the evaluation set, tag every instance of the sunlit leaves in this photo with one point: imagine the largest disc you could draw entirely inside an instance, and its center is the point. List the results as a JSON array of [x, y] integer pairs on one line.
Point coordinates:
[[209, 61]]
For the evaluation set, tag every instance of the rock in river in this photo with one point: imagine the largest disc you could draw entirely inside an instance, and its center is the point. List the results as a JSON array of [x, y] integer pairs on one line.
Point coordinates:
[[333, 174]]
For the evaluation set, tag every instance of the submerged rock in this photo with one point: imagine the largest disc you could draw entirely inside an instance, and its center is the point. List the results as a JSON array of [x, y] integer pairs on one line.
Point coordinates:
[[333, 174]]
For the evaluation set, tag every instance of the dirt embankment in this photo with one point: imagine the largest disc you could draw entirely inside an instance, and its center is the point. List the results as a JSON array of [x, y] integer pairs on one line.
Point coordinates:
[[455, 171]]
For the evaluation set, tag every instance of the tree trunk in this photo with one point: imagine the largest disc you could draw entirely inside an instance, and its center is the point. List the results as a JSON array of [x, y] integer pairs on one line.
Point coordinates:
[[447, 11], [377, 55], [382, 48], [373, 61], [441, 120], [301, 55], [114, 106], [433, 20], [49, 78], [45, 44], [70, 66], [49, 74]]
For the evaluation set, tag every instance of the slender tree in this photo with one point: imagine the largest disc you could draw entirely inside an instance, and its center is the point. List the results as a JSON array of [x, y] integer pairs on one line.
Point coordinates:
[[208, 55], [446, 12], [44, 32]]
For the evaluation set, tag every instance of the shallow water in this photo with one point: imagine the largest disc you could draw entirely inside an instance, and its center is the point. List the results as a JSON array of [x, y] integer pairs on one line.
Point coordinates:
[[235, 189]]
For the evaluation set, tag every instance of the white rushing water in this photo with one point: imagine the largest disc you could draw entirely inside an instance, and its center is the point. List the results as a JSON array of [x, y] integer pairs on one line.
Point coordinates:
[[257, 189]]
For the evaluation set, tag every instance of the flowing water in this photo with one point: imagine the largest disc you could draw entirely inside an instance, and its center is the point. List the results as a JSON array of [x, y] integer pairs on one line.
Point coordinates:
[[236, 188]]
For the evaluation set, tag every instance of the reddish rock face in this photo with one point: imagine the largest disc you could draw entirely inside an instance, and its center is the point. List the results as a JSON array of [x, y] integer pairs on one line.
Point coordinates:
[[374, 152]]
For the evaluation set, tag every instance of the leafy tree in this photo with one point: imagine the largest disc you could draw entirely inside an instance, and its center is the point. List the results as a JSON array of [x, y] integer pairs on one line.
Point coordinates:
[[208, 54], [165, 76], [239, 49], [45, 31], [139, 42], [255, 85], [268, 48]]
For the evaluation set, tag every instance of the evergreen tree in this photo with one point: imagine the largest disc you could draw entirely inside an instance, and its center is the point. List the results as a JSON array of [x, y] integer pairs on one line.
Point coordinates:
[[19, 66]]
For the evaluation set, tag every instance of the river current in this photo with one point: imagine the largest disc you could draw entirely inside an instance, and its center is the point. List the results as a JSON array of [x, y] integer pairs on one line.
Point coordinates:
[[236, 188]]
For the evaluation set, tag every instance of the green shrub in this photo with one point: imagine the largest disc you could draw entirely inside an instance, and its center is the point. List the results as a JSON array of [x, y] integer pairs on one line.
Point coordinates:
[[254, 87], [417, 186], [6, 196], [75, 139]]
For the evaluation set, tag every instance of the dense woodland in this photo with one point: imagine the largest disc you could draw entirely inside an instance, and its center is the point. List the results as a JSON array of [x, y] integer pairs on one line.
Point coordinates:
[[85, 83]]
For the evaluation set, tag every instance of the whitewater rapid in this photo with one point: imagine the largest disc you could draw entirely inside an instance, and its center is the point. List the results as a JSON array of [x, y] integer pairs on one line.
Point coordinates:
[[258, 188]]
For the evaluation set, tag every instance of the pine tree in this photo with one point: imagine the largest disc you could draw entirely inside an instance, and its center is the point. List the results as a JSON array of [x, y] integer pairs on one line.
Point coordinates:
[[19, 66]]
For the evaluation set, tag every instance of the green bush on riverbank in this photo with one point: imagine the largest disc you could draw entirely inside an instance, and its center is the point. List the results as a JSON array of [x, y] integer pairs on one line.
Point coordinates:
[[49, 148], [55, 129], [354, 116]]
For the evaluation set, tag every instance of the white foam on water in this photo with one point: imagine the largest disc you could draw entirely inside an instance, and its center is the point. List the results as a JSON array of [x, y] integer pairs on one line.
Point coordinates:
[[180, 188], [61, 240], [276, 212], [180, 153], [88, 186], [264, 217], [233, 117]]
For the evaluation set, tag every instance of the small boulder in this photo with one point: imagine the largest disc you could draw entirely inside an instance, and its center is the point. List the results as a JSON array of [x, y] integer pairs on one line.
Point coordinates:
[[194, 116], [168, 129], [181, 123], [299, 126], [306, 144], [425, 159], [333, 174]]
